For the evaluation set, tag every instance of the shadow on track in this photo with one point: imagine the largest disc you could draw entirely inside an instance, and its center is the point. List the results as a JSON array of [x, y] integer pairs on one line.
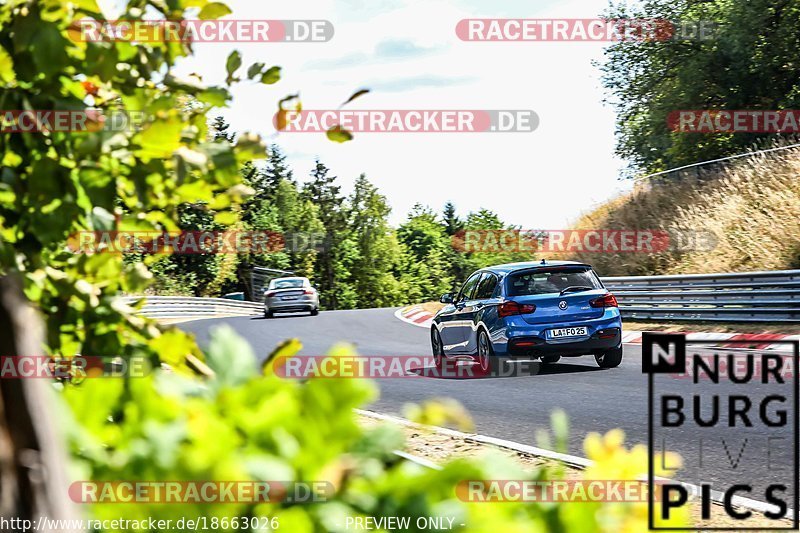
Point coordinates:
[[299, 314]]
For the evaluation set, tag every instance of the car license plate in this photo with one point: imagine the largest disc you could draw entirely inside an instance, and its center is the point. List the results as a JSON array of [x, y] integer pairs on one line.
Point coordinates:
[[288, 297], [567, 332]]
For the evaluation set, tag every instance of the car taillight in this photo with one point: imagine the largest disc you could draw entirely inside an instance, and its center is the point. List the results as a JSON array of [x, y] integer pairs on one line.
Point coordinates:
[[309, 291], [513, 308], [609, 300], [270, 294]]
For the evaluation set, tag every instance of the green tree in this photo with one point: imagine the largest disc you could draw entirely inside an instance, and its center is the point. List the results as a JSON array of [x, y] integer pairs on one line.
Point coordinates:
[[374, 271], [427, 273], [266, 179], [458, 266], [750, 62], [452, 223], [293, 223], [338, 253]]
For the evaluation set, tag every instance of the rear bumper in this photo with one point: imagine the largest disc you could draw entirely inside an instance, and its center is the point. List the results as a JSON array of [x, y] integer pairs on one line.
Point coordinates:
[[521, 339], [306, 303], [537, 346]]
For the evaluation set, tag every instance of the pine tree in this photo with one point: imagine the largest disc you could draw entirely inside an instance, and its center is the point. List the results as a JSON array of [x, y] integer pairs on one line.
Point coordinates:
[[452, 223], [323, 192], [276, 170], [219, 130]]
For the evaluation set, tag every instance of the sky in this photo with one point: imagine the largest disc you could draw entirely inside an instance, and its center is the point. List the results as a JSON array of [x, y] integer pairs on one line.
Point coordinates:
[[407, 53]]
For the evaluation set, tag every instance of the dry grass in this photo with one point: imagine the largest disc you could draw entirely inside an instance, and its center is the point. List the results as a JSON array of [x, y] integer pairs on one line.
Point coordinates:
[[751, 206]]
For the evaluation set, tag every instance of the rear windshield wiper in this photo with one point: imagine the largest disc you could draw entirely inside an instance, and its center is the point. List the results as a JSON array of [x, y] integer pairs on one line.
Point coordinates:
[[575, 288]]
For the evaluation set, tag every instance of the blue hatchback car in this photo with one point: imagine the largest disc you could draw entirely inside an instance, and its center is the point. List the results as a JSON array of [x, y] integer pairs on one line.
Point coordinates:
[[529, 310]]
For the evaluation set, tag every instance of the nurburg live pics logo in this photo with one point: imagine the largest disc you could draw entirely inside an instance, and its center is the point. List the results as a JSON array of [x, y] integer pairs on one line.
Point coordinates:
[[739, 426]]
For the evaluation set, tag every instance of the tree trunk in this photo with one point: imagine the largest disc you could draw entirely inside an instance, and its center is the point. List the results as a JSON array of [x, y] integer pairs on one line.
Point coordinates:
[[33, 482]]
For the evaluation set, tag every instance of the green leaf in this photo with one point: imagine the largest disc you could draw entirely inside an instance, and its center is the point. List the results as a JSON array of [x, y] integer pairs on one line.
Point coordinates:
[[195, 191], [173, 346], [214, 10], [272, 75], [49, 49], [286, 349], [230, 357], [560, 424], [232, 65], [226, 218], [214, 96], [6, 67], [161, 138], [254, 70], [360, 92], [339, 134]]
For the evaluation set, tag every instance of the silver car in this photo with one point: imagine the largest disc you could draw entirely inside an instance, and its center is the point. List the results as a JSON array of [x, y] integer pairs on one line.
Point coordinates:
[[287, 295]]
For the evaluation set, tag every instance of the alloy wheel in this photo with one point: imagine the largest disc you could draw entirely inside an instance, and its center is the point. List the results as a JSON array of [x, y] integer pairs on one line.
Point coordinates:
[[483, 351]]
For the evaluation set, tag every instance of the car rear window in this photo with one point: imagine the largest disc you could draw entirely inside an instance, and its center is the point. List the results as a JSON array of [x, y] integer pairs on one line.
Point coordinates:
[[555, 280], [288, 284]]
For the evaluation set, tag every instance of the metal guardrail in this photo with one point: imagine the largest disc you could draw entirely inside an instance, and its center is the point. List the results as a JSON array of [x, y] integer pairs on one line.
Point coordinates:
[[737, 297], [186, 306], [720, 160], [734, 297]]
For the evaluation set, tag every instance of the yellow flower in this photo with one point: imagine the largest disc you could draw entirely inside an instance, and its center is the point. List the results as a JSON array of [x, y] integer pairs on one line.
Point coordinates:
[[599, 448]]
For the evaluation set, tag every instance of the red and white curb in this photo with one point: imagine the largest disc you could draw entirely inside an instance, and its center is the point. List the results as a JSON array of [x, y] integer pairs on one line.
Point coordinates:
[[758, 341], [417, 316]]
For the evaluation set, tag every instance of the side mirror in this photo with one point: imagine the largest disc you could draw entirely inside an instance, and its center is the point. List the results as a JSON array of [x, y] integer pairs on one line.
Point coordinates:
[[447, 298]]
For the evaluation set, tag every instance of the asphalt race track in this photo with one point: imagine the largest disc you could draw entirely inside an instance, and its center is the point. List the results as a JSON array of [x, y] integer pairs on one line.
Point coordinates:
[[514, 408]]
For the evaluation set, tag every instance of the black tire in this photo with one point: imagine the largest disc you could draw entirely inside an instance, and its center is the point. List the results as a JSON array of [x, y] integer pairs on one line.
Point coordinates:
[[268, 314], [314, 312], [610, 358], [550, 359], [437, 349], [485, 358]]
